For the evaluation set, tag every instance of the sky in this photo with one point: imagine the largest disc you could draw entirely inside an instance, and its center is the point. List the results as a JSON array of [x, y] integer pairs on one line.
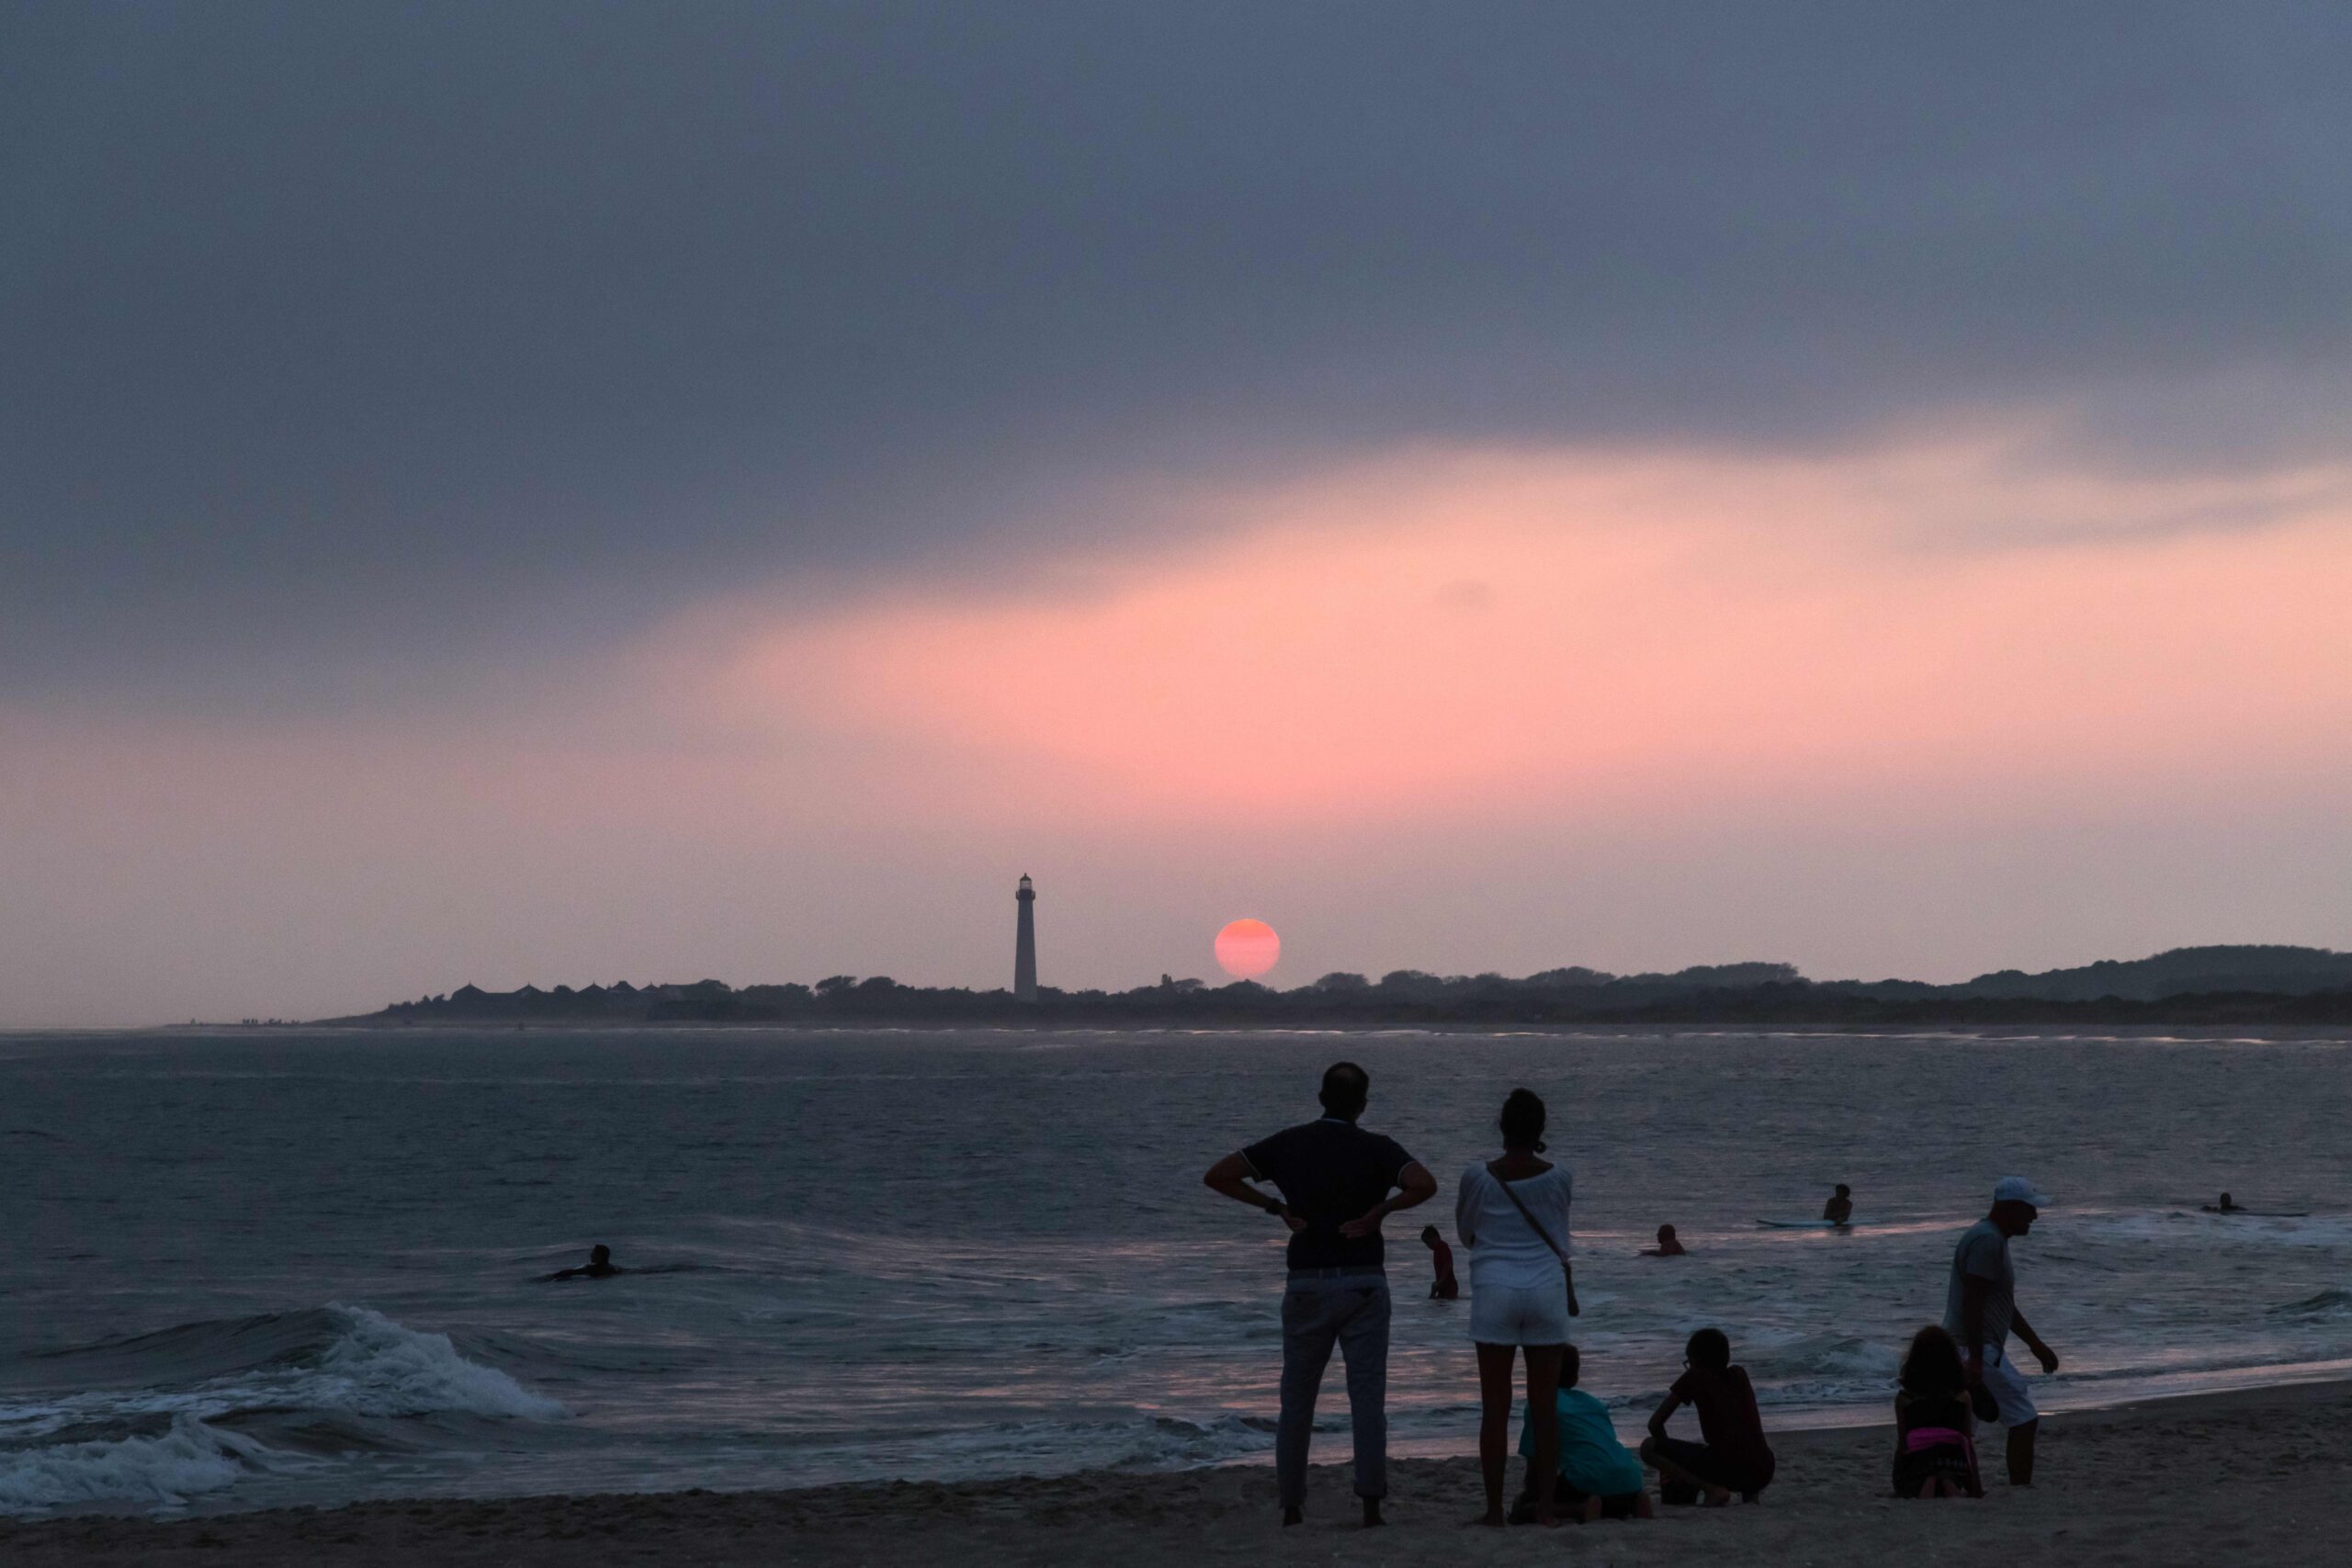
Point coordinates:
[[560, 494]]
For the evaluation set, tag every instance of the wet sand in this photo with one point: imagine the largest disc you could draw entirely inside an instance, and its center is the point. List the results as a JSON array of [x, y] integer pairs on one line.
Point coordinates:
[[2259, 1476]]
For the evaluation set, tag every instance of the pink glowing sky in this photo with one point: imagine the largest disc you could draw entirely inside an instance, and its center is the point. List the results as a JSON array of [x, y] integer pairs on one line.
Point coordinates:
[[1925, 710], [1504, 633], [723, 492]]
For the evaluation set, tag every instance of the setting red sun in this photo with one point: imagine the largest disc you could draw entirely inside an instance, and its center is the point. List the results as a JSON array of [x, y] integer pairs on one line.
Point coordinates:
[[1247, 949]]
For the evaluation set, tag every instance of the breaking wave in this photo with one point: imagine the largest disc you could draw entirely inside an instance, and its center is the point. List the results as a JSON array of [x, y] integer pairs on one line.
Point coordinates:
[[154, 1419], [162, 1471]]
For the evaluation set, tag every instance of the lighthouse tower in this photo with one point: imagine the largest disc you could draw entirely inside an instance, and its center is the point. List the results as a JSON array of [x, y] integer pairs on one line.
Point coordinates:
[[1024, 945]]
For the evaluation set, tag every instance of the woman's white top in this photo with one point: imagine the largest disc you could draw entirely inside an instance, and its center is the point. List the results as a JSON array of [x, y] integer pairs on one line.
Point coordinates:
[[1504, 1248]]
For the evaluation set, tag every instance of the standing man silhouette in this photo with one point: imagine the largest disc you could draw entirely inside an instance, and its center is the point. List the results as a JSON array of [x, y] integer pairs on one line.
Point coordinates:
[[1336, 1181], [1981, 1309]]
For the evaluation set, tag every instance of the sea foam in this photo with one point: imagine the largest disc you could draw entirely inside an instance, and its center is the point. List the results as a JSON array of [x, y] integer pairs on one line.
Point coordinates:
[[162, 1471], [375, 1367]]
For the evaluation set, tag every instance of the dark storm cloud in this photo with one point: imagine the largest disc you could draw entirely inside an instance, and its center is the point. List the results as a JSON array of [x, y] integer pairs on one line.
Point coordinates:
[[340, 339]]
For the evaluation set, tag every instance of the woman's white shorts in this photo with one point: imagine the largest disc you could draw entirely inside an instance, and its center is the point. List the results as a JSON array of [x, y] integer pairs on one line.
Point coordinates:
[[1520, 1314]]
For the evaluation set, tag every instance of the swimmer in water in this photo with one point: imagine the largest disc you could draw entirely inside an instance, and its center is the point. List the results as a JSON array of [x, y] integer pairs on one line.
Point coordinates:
[[1445, 1287], [1668, 1246], [2223, 1207], [598, 1267], [1839, 1209]]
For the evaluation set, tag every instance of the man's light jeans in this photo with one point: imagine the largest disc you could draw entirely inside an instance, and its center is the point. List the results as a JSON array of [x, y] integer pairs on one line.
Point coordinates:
[[1323, 1307]]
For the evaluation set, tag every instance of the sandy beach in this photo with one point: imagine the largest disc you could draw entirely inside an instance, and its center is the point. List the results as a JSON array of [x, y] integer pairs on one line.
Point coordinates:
[[2260, 1476]]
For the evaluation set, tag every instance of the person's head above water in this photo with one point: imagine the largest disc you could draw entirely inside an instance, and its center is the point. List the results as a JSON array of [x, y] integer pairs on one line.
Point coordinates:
[[598, 1267], [1346, 1088], [1522, 1122], [1710, 1347], [1844, 1190], [1665, 1233], [2225, 1201]]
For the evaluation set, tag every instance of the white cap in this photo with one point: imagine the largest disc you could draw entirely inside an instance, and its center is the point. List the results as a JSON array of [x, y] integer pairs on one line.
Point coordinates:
[[2017, 1189]]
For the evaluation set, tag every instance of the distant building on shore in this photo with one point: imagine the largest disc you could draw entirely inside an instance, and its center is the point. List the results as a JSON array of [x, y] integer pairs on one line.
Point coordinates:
[[1024, 944]]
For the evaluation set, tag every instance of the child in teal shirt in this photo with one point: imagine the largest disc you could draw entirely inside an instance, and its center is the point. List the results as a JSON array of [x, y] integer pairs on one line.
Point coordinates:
[[1599, 1477]]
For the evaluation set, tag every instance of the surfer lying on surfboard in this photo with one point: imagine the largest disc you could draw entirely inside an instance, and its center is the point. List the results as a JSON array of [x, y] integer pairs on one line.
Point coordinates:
[[1836, 1215], [2228, 1206]]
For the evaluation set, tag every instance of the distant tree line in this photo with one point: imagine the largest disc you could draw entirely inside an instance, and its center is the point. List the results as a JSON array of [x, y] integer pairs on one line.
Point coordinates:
[[2215, 986]]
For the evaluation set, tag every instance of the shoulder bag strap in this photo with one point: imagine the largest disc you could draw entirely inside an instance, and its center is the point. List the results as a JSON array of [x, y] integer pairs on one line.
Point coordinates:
[[1530, 1219]]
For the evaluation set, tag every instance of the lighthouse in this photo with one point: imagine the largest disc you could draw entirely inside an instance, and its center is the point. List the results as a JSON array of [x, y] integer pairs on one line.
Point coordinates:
[[1024, 945]]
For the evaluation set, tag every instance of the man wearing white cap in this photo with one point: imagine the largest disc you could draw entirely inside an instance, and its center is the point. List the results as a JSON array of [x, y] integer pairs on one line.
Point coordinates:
[[1981, 1307]]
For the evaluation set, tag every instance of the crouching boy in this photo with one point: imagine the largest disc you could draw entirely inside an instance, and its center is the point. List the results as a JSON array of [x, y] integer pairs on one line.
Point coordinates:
[[1731, 1455], [1599, 1477]]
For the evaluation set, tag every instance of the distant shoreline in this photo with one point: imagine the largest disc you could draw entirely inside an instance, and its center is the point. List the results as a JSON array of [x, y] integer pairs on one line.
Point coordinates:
[[2222, 987], [2019, 1029], [2224, 1011]]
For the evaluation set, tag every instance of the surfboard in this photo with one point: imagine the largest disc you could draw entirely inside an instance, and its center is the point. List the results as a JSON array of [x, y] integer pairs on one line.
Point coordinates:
[[1805, 1224]]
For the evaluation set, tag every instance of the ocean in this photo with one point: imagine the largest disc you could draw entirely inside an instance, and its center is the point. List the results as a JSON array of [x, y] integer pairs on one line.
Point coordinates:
[[251, 1268]]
